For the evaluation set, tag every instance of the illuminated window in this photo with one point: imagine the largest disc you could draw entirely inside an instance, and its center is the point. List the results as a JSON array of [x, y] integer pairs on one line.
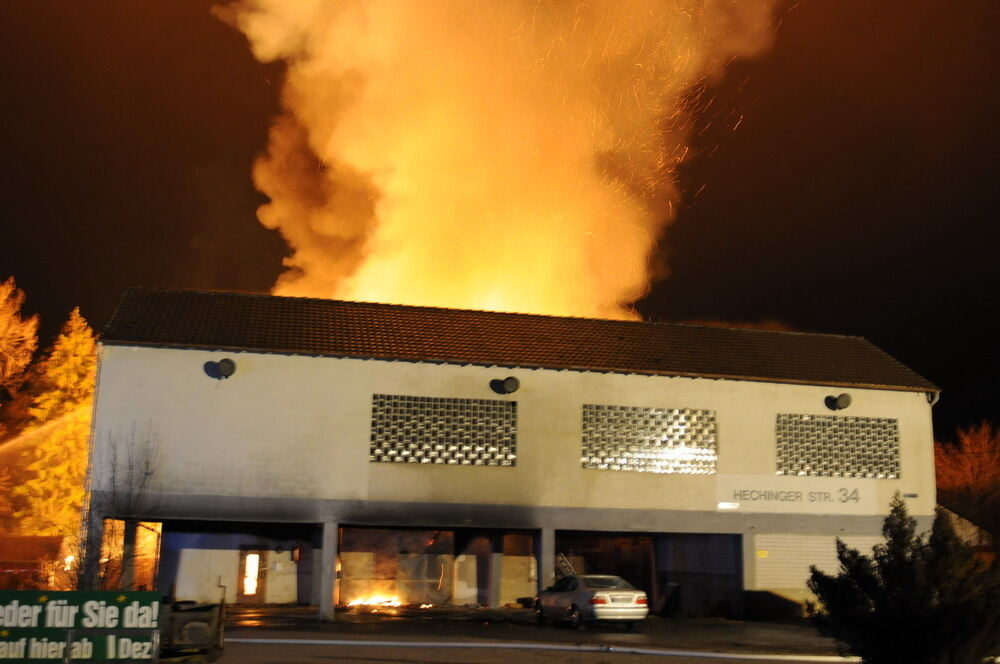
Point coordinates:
[[250, 572], [834, 446], [649, 440], [465, 432]]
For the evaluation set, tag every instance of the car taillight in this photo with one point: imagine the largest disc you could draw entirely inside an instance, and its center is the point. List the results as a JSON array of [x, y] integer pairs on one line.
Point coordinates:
[[598, 600], [641, 600]]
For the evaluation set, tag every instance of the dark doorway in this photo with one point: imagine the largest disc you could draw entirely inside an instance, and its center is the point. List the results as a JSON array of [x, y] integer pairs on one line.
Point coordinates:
[[628, 556], [700, 574], [689, 574]]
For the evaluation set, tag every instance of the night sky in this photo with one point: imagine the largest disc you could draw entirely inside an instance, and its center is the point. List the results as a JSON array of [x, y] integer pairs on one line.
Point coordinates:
[[857, 195]]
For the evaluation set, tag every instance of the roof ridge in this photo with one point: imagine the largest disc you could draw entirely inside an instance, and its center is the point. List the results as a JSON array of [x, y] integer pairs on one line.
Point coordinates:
[[426, 307], [803, 333]]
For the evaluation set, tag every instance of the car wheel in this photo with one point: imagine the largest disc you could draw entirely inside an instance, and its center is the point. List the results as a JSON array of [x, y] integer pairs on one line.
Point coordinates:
[[539, 615], [575, 618]]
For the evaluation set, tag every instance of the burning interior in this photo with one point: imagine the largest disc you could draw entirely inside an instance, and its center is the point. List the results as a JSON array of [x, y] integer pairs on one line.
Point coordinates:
[[435, 567]]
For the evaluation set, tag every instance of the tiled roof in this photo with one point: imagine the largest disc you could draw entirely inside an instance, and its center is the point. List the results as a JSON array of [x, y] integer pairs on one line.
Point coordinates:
[[237, 321], [29, 548]]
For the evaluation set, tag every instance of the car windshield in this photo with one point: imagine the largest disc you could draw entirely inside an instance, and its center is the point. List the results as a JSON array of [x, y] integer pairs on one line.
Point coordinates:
[[606, 582]]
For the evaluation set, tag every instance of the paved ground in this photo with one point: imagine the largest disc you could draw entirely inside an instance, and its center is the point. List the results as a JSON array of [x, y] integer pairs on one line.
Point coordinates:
[[514, 629], [241, 653]]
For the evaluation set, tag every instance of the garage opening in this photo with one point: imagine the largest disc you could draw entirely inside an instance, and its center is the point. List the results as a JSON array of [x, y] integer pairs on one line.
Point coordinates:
[[688, 574], [246, 563], [428, 567]]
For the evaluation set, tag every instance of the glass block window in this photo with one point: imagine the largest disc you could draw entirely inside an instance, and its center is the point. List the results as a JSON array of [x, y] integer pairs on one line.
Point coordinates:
[[649, 440], [465, 432], [833, 446]]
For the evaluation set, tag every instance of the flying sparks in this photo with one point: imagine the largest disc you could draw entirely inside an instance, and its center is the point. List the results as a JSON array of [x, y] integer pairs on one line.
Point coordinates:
[[514, 155]]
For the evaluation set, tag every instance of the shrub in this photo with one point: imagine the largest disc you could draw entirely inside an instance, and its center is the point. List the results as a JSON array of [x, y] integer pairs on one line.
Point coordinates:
[[916, 599]]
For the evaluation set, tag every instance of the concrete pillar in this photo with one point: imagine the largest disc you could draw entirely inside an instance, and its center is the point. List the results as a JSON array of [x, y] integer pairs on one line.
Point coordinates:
[[749, 560], [496, 571], [328, 569], [546, 557], [316, 588], [130, 528], [89, 577]]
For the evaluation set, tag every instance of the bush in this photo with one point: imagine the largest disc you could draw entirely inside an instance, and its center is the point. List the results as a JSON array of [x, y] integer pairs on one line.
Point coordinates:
[[916, 600]]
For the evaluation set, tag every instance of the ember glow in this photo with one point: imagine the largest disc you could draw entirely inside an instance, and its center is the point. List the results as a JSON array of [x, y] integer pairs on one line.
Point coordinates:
[[513, 155], [250, 574], [376, 601]]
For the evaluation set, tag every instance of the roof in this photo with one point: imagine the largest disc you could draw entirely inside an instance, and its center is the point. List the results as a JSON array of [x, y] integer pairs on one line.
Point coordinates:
[[29, 548], [292, 325]]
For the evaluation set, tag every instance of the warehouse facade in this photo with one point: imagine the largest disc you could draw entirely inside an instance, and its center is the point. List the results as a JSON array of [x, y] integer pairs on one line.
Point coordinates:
[[327, 452]]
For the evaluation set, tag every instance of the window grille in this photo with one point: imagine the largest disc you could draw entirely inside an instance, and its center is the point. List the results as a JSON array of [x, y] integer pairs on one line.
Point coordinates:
[[650, 440], [465, 432], [835, 446]]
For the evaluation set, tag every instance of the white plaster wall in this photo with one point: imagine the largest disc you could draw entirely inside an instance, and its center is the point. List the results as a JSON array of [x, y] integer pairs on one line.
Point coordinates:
[[201, 571], [465, 589], [282, 578], [294, 426], [518, 578]]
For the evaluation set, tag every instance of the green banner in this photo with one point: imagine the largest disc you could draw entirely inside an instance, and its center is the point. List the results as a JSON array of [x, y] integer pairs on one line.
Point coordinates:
[[100, 626]]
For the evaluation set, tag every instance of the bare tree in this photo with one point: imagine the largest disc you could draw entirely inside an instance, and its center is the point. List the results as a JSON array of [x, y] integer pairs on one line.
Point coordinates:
[[120, 475], [129, 464], [968, 475]]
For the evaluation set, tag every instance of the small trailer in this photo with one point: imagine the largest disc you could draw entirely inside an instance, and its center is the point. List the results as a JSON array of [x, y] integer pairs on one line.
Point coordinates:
[[191, 631]]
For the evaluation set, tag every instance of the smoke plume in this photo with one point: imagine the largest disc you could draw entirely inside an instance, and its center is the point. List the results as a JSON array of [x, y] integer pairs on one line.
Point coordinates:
[[514, 155]]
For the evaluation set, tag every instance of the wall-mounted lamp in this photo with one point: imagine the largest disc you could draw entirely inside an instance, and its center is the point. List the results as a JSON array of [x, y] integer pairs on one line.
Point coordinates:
[[224, 368], [506, 386], [839, 402]]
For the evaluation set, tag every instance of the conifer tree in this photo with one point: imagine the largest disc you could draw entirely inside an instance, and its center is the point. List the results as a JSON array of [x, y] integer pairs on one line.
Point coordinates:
[[66, 376], [51, 498], [18, 340], [916, 600], [6, 505]]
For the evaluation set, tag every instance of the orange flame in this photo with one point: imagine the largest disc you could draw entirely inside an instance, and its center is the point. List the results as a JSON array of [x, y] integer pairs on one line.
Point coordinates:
[[513, 155], [376, 600]]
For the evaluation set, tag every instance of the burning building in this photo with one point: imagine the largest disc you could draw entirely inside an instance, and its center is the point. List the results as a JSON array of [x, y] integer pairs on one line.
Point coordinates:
[[333, 452]]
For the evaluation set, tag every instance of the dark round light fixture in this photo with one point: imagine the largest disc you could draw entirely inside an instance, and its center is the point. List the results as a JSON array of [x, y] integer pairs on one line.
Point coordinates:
[[508, 385], [220, 370], [839, 402]]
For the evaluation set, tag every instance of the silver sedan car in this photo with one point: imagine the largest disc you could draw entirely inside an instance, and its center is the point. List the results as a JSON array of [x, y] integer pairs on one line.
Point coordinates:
[[583, 598]]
